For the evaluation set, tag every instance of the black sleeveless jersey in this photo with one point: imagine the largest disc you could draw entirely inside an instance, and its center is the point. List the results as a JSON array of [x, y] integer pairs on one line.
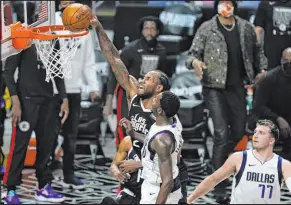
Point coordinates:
[[141, 119], [135, 181]]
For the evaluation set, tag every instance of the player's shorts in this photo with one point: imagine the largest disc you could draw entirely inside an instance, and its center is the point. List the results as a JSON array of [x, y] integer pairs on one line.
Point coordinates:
[[149, 193], [125, 196]]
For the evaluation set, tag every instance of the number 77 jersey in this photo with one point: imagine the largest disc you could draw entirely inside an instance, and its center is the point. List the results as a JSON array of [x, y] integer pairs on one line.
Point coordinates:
[[257, 183]]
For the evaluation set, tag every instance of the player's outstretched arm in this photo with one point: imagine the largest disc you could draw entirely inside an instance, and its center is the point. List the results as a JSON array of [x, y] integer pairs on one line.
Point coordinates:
[[221, 174], [163, 146], [121, 154], [286, 168], [112, 55]]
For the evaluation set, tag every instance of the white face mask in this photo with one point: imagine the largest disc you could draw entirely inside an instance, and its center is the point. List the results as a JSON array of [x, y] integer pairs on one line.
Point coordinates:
[[225, 10]]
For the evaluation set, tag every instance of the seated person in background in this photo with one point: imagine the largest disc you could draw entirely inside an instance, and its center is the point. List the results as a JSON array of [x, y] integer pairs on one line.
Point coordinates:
[[272, 99]]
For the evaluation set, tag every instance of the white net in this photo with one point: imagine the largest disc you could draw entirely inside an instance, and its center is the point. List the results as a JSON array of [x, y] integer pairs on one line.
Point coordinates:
[[56, 54]]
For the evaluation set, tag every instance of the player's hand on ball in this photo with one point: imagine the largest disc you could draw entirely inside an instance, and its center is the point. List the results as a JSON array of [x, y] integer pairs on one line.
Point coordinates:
[[94, 22]]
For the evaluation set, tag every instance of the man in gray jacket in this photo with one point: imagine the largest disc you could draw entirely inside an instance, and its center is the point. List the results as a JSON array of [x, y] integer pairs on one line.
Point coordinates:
[[225, 54]]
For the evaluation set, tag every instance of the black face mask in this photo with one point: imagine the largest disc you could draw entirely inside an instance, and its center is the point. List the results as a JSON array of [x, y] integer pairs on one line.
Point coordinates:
[[287, 69]]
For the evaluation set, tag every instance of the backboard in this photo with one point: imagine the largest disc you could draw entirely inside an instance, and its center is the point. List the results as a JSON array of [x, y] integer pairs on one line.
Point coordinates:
[[33, 13]]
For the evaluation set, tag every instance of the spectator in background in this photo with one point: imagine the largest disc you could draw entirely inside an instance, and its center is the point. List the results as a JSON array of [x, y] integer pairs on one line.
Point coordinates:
[[273, 99], [140, 57], [33, 109], [273, 28], [82, 65], [224, 54]]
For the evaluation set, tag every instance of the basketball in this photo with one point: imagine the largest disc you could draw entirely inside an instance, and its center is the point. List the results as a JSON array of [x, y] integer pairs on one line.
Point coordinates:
[[77, 17]]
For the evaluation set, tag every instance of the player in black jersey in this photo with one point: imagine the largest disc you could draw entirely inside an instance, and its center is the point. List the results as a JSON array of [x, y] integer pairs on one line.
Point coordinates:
[[130, 182], [141, 97]]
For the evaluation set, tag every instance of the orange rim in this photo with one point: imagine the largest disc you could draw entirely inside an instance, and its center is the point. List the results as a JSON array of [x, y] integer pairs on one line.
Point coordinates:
[[19, 31], [38, 32]]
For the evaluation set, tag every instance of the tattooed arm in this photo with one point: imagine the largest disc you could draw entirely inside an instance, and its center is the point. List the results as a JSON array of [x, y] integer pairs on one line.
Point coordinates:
[[112, 55]]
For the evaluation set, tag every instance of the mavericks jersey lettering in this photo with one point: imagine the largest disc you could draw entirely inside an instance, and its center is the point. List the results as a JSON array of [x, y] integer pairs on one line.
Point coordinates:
[[150, 161], [257, 183]]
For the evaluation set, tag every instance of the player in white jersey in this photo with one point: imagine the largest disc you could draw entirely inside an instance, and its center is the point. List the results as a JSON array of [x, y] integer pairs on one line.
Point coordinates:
[[259, 172], [160, 153]]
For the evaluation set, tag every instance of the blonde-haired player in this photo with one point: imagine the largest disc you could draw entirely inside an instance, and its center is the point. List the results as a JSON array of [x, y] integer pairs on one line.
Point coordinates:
[[259, 172]]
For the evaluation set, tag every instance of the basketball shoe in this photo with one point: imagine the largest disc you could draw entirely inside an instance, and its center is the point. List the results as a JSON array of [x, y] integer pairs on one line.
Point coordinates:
[[47, 194]]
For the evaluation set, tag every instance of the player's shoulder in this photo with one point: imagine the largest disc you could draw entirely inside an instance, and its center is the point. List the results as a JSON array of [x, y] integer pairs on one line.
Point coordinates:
[[237, 157], [126, 143], [239, 154], [286, 164], [164, 138]]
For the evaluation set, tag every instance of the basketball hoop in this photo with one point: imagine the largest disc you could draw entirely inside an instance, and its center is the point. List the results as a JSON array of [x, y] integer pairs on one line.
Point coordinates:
[[56, 45]]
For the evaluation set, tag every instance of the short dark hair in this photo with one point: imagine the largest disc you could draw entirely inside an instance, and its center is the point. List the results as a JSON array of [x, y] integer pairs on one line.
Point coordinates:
[[234, 2], [159, 23], [163, 80], [170, 103], [273, 127]]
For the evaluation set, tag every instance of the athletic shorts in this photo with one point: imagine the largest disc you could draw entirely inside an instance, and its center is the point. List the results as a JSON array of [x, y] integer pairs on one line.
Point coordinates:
[[149, 194]]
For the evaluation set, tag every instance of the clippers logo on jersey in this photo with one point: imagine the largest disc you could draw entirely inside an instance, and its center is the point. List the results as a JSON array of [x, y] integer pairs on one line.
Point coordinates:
[[260, 177], [149, 63], [136, 144], [139, 124]]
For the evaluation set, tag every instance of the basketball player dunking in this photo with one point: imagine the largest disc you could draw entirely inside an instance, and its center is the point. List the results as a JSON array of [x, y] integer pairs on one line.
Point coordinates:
[[259, 172], [141, 97], [161, 152]]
